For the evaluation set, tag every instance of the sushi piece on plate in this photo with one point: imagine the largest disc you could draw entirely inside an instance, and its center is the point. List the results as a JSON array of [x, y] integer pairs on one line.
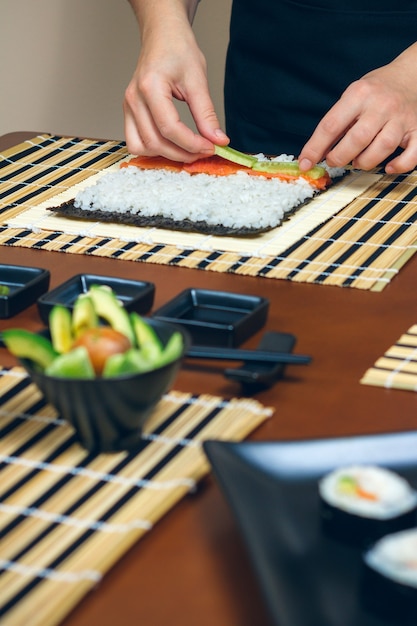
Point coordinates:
[[361, 503], [389, 586]]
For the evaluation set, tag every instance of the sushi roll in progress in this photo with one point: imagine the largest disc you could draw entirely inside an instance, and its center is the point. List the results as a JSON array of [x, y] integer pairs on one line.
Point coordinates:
[[361, 503], [211, 196], [390, 578]]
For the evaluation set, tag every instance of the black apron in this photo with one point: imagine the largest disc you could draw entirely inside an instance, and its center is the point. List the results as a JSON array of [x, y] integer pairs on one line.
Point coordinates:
[[288, 62]]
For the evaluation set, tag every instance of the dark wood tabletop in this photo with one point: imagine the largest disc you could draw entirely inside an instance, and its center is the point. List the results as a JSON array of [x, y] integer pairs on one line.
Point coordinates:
[[193, 568]]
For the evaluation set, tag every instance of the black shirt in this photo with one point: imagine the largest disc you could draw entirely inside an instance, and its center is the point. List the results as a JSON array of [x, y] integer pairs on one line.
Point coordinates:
[[288, 62]]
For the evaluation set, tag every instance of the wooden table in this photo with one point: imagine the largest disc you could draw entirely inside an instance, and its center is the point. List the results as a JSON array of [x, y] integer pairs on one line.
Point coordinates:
[[192, 569]]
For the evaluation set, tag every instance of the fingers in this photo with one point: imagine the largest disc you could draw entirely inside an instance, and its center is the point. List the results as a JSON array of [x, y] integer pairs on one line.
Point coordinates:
[[333, 126], [407, 160], [153, 125], [365, 127]]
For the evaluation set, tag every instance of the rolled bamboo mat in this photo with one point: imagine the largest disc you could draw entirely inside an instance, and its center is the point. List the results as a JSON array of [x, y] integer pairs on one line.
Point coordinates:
[[397, 368], [66, 515], [357, 234]]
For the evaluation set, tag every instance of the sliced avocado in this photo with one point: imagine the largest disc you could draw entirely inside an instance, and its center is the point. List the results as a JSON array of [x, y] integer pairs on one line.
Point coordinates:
[[315, 172], [84, 315], [231, 154], [172, 350], [145, 335], [130, 362], [73, 364], [60, 327], [108, 307], [346, 485], [27, 345], [114, 366], [289, 168]]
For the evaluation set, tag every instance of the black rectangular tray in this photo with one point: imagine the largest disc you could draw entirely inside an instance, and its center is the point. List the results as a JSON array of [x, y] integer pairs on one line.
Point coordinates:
[[216, 318], [308, 578], [135, 295], [25, 285]]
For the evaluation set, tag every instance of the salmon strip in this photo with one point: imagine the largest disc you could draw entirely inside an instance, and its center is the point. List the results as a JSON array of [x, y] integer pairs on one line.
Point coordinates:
[[217, 166], [154, 163]]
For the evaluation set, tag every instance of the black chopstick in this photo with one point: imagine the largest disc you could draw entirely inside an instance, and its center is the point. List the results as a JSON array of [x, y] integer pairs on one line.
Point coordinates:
[[237, 354]]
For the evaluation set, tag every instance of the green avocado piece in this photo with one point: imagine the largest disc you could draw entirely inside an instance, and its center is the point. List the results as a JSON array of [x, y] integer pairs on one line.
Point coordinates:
[[147, 340], [316, 172], [130, 362], [278, 167], [172, 350], [235, 156], [290, 168], [73, 364], [84, 315], [28, 345], [108, 307], [60, 327]]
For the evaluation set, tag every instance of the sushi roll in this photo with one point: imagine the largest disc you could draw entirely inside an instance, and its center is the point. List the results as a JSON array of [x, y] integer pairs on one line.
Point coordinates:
[[389, 587], [361, 503]]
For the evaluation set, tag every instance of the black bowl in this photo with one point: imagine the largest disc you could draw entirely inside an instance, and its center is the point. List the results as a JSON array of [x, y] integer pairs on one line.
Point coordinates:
[[108, 414]]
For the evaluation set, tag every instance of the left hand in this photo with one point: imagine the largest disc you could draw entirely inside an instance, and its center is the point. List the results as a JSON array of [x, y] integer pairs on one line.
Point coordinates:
[[374, 116]]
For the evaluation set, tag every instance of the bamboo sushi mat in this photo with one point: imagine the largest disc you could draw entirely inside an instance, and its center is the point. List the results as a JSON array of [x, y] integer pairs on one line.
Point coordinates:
[[67, 516], [357, 234], [397, 369]]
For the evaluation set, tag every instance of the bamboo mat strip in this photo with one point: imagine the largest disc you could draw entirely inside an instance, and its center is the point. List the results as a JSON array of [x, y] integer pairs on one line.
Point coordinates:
[[66, 515], [397, 368], [363, 243]]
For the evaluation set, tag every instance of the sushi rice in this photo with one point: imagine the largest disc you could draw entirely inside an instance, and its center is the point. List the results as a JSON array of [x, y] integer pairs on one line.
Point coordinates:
[[234, 201], [395, 557]]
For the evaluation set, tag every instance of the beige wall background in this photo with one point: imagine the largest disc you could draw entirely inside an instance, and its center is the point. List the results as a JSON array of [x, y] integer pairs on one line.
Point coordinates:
[[64, 64]]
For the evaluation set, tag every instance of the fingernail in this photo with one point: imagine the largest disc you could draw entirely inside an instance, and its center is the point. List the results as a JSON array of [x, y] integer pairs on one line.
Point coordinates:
[[305, 164], [220, 134]]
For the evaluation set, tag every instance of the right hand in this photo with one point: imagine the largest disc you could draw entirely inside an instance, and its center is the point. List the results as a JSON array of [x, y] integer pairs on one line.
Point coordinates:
[[170, 65]]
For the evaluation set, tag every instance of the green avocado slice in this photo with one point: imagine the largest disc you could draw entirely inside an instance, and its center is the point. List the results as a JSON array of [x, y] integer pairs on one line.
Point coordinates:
[[109, 308], [172, 350], [25, 344], [84, 315], [60, 327], [73, 364], [290, 168], [130, 362], [235, 156], [147, 340]]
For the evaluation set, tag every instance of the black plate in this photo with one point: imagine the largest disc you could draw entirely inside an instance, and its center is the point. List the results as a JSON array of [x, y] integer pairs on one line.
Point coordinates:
[[25, 285], [135, 295], [216, 318], [307, 578]]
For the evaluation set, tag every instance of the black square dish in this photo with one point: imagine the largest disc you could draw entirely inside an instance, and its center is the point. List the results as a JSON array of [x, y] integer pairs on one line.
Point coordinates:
[[216, 318], [135, 295], [24, 285]]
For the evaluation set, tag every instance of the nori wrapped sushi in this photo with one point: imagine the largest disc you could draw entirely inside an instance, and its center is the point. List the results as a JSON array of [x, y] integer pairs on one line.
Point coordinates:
[[389, 584], [361, 503]]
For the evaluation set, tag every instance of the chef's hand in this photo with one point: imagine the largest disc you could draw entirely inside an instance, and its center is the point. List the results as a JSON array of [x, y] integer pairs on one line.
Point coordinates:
[[374, 116], [170, 65]]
